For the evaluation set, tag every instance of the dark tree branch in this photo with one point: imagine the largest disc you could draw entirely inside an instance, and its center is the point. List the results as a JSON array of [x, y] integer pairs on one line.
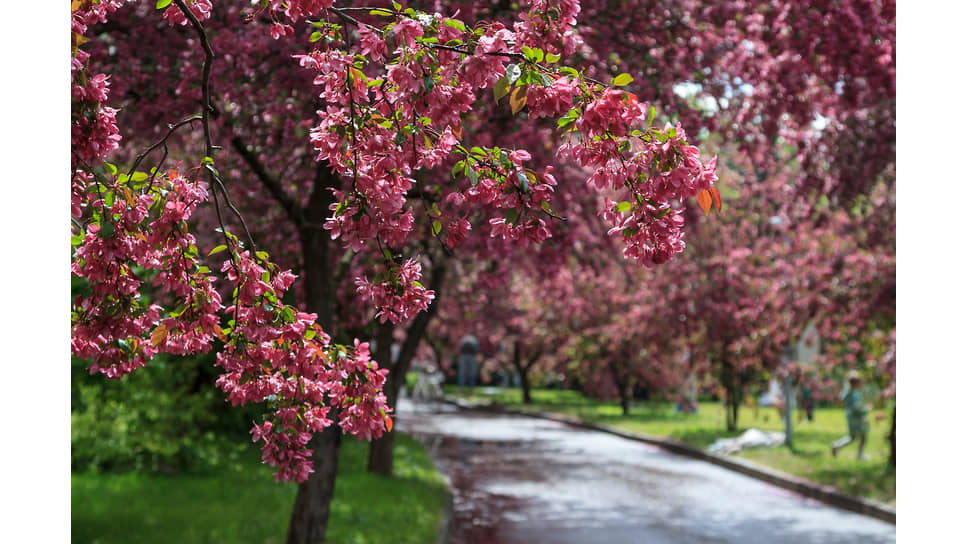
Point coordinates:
[[171, 130], [292, 208]]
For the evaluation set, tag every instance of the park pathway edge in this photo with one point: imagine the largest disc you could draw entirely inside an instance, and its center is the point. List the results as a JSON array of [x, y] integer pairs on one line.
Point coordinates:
[[824, 493]]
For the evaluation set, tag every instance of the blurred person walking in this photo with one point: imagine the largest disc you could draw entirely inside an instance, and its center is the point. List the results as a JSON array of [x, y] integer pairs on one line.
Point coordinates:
[[856, 412], [467, 362]]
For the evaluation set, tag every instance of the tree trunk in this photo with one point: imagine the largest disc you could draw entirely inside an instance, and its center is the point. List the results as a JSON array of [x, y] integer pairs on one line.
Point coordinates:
[[310, 512], [380, 460], [525, 387], [892, 437], [730, 382], [522, 372], [625, 399], [735, 405]]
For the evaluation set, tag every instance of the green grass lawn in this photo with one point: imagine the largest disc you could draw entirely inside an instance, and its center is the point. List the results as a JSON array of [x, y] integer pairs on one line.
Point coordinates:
[[242, 503], [809, 458]]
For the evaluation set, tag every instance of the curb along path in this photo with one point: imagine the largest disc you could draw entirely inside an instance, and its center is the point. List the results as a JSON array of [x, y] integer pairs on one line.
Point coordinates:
[[826, 494]]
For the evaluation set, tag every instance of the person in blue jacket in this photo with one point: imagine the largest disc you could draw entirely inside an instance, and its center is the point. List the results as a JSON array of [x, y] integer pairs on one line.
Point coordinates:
[[856, 411]]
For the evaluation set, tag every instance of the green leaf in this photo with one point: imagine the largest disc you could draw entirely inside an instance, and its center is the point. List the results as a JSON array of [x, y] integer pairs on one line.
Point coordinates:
[[551, 58], [533, 55], [107, 230], [622, 80], [623, 207], [523, 183], [569, 71], [218, 249], [111, 168], [139, 176], [459, 167], [396, 6], [511, 216], [162, 4], [651, 116], [454, 23], [315, 36], [436, 228], [262, 255], [380, 12]]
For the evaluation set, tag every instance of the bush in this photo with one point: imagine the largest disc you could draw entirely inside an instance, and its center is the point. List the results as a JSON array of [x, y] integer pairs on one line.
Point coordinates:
[[166, 417]]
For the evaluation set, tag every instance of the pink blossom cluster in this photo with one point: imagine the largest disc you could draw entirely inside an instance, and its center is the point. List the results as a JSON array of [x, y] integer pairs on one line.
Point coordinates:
[[201, 9], [297, 10], [114, 326], [550, 25], [277, 355], [379, 133], [653, 169], [94, 130], [552, 101], [487, 65], [652, 235], [398, 298]]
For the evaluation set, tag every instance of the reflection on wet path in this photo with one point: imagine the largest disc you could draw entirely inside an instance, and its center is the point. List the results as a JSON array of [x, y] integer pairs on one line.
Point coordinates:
[[527, 480]]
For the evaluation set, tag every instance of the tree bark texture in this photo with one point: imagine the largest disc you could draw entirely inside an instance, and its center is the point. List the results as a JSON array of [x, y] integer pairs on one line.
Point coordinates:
[[522, 372], [380, 460], [310, 512], [893, 438]]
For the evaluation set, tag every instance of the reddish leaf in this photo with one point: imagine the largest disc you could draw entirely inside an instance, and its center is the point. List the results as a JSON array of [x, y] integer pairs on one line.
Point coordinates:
[[158, 335], [716, 200], [705, 201], [389, 423]]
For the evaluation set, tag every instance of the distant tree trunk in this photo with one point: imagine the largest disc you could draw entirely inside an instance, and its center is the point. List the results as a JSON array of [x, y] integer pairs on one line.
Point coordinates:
[[381, 449], [624, 394], [892, 437], [525, 387], [733, 397], [522, 372], [735, 402], [621, 381], [380, 460]]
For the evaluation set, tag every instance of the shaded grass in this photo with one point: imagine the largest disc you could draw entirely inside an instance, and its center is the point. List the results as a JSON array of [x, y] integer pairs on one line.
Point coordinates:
[[810, 457], [242, 503]]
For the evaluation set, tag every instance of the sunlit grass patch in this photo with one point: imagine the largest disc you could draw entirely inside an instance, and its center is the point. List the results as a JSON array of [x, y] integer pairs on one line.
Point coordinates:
[[242, 503]]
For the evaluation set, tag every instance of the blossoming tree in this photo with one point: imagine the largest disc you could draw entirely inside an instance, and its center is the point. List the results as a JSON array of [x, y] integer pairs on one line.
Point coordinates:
[[362, 145], [389, 87]]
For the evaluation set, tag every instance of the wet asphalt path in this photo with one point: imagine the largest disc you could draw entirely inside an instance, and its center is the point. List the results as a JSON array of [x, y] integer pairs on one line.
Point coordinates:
[[527, 480]]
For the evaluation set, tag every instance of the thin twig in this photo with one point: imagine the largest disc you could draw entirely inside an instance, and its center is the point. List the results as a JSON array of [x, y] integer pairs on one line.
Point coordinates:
[[171, 130]]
